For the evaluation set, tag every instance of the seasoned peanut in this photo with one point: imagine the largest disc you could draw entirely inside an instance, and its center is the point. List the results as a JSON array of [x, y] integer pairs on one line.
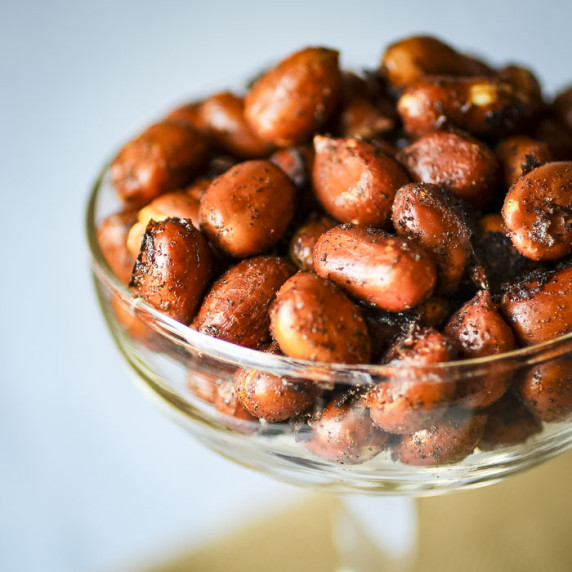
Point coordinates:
[[236, 307], [345, 434], [448, 441], [409, 402], [356, 181], [437, 222], [295, 98], [562, 105], [302, 243], [537, 212], [296, 162], [112, 236], [518, 155], [312, 319], [456, 162], [539, 308], [246, 210], [393, 273], [163, 158], [483, 106], [173, 268], [223, 117]]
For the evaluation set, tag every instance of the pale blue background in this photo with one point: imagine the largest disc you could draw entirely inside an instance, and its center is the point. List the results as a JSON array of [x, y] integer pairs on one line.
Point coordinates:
[[91, 477]]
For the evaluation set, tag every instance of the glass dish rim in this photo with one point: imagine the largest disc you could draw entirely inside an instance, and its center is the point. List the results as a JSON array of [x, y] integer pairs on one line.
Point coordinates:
[[240, 356]]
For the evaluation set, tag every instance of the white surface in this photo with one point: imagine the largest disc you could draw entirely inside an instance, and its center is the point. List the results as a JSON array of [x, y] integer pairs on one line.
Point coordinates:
[[91, 476]]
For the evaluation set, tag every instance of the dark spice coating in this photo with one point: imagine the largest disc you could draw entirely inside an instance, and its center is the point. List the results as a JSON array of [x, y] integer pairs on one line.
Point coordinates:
[[355, 180], [312, 319], [409, 59], [406, 403], [173, 268], [222, 115], [236, 307], [484, 106], [520, 154], [248, 208], [457, 162], [295, 98], [448, 441], [437, 221], [343, 432], [509, 422], [547, 389], [112, 235], [237, 417], [272, 397], [390, 272], [302, 244], [539, 308], [163, 158], [538, 212]]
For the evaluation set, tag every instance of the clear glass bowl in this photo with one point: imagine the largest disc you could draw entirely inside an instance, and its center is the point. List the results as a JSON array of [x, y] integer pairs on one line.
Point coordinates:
[[182, 369]]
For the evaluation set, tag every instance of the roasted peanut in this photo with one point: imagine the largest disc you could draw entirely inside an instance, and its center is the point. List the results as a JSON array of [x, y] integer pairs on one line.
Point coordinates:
[[236, 417], [356, 181], [508, 423], [177, 204], [272, 397], [437, 222], [557, 137], [296, 162], [479, 331], [562, 106], [392, 273], [448, 441], [163, 158], [295, 98], [456, 162], [483, 106], [112, 235], [222, 114], [246, 210], [526, 85], [344, 433], [189, 113], [409, 401], [409, 59], [312, 319], [537, 212], [302, 243], [518, 155], [539, 309], [547, 389], [236, 307], [173, 268]]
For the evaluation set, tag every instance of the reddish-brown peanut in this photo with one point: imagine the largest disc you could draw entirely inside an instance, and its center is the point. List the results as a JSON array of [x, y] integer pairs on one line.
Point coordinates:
[[236, 307], [312, 319], [302, 243], [223, 117], [173, 268], [246, 210], [537, 212], [456, 162], [112, 235], [562, 105], [292, 100], [518, 155], [409, 59], [344, 433], [296, 162], [392, 273], [356, 181], [482, 106], [432, 217], [448, 441], [540, 308], [163, 158], [409, 401]]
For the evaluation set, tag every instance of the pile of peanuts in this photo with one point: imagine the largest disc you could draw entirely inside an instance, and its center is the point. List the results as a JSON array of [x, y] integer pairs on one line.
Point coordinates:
[[411, 215]]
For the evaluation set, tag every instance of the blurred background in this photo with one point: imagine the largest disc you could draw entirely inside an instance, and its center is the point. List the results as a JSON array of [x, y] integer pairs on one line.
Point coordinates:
[[92, 477]]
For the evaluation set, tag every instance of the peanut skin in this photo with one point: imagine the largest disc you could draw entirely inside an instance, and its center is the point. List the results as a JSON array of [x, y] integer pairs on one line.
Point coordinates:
[[390, 272]]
